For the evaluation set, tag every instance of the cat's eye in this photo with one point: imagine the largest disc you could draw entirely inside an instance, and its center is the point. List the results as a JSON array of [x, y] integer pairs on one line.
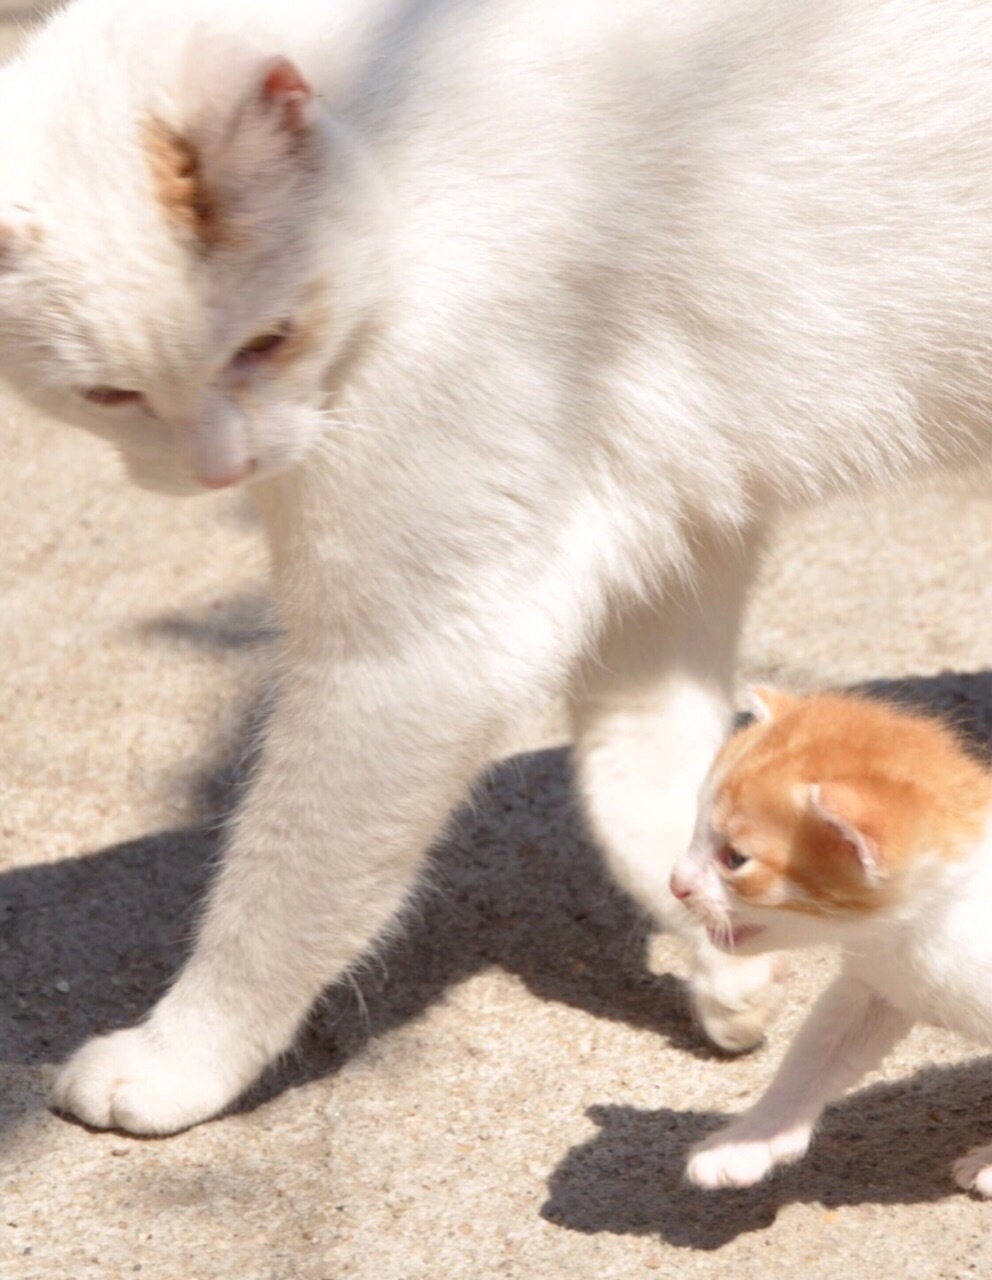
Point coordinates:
[[731, 858], [110, 396], [262, 346]]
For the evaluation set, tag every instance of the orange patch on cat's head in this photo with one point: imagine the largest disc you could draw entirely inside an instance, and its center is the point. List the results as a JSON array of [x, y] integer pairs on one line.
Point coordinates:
[[833, 797], [178, 184]]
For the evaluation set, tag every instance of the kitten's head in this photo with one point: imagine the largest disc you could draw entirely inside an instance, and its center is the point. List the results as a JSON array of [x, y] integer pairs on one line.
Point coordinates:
[[819, 816], [181, 261]]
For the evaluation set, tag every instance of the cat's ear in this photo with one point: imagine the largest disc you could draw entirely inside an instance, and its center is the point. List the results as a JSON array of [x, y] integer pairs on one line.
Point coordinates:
[[286, 95], [836, 806], [224, 79], [268, 94], [241, 149], [765, 703]]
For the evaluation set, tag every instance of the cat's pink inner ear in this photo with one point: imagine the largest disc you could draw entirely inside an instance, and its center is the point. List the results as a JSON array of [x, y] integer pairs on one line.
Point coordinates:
[[832, 804], [285, 89]]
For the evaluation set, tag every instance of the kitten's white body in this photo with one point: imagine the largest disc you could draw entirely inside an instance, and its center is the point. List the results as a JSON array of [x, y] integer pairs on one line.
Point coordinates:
[[915, 958], [606, 284], [928, 960]]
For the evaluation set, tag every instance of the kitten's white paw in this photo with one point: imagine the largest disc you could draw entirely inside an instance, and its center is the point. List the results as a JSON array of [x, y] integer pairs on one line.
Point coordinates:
[[735, 999], [133, 1080], [973, 1172], [732, 1158]]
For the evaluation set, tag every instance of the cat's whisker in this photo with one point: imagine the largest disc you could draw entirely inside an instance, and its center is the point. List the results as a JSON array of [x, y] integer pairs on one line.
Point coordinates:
[[339, 444], [358, 412], [349, 424], [344, 432]]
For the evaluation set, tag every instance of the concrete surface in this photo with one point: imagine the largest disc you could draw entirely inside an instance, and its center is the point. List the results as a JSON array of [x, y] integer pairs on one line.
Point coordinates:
[[511, 1091]]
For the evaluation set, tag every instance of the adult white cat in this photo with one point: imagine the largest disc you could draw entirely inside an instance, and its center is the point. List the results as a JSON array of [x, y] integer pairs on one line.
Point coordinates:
[[522, 316]]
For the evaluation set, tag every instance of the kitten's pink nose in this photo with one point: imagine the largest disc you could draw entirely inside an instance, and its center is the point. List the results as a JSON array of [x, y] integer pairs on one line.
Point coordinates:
[[227, 479], [680, 887]]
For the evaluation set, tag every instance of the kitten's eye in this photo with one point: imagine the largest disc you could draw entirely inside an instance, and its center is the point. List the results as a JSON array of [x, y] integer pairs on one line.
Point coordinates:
[[109, 396], [262, 346], [731, 858]]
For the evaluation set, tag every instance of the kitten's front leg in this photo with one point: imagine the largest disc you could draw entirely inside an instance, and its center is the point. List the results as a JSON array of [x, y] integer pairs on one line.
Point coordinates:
[[360, 769], [849, 1031]]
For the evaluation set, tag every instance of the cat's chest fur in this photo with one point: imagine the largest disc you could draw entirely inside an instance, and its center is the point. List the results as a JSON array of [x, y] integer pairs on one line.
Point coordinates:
[[933, 958]]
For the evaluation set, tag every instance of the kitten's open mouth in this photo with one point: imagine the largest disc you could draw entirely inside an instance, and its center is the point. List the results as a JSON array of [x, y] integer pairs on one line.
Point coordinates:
[[729, 939]]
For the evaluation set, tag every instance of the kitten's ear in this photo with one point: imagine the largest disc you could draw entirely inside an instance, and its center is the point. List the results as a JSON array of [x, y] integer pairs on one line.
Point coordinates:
[[765, 703], [836, 806]]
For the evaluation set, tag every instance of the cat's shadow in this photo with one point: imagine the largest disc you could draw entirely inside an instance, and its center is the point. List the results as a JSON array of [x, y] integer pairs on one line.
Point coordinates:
[[514, 884], [892, 1143], [89, 943]]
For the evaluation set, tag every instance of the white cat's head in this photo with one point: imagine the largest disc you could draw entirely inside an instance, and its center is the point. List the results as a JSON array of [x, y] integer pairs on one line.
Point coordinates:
[[181, 264]]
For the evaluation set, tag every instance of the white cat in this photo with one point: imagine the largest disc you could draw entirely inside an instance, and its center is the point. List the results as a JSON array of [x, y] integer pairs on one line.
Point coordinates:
[[522, 317]]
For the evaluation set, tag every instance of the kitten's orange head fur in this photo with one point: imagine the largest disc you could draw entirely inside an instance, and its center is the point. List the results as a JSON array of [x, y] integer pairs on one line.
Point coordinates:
[[820, 808]]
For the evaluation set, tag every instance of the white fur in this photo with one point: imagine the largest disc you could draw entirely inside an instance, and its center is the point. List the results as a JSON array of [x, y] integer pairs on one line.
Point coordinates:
[[606, 283], [927, 959]]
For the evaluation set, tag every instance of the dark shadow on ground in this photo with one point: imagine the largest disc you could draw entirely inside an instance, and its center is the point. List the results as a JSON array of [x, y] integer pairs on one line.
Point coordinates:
[[962, 699], [516, 884], [245, 621], [893, 1143]]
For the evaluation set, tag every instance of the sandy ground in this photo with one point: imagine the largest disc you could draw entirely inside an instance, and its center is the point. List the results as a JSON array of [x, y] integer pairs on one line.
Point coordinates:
[[513, 1090]]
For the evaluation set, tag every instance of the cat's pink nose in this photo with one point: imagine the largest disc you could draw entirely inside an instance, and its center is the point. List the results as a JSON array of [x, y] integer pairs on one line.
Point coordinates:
[[680, 887]]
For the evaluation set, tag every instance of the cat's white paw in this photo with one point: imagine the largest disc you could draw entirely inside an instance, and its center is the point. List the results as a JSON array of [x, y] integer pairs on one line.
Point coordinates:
[[973, 1172], [133, 1080], [735, 999], [734, 1158]]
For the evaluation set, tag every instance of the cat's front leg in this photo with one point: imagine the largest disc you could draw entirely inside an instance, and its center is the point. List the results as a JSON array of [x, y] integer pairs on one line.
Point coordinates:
[[849, 1031], [362, 764]]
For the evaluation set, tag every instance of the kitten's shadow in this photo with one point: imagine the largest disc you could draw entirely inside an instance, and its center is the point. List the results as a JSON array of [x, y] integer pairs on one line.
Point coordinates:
[[893, 1143]]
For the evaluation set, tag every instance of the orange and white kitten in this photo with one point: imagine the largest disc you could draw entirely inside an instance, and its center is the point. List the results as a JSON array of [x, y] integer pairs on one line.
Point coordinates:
[[836, 819]]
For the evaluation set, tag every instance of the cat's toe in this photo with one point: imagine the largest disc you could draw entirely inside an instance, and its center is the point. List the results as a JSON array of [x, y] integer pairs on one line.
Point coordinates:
[[737, 1157], [973, 1172], [130, 1081], [736, 999], [730, 1164]]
